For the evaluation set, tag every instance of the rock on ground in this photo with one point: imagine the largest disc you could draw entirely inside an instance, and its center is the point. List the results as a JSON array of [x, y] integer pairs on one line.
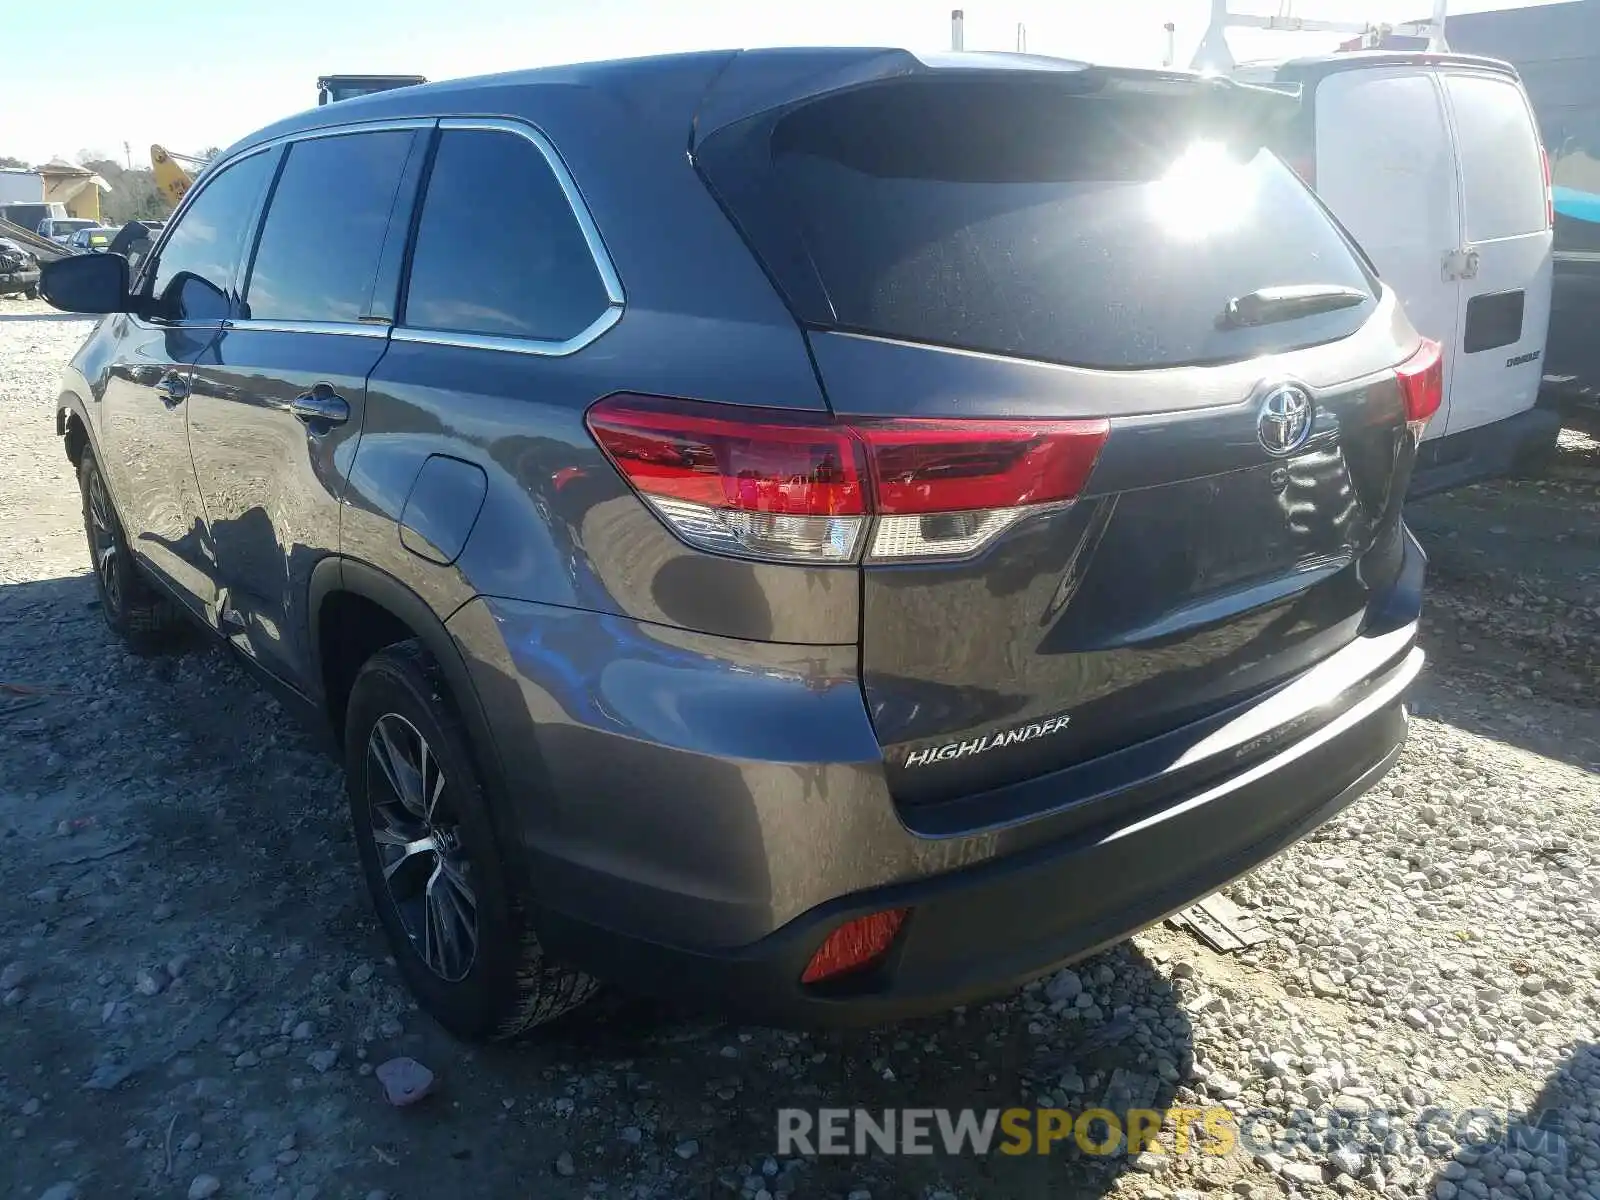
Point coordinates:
[[184, 940]]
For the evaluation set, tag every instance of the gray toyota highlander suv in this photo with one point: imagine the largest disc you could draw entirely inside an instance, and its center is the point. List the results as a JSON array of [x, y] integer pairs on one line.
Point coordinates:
[[834, 532]]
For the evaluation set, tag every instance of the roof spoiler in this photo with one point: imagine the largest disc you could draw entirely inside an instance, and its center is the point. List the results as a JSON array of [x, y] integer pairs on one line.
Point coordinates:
[[750, 87]]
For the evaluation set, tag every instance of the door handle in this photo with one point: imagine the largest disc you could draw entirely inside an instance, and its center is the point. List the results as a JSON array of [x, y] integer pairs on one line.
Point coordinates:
[[321, 404], [173, 389]]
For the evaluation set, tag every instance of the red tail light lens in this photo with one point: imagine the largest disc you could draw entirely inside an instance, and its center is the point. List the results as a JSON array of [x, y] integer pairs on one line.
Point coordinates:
[[771, 483], [855, 945], [768, 461], [1306, 168], [762, 483], [951, 466], [1422, 384], [1549, 190]]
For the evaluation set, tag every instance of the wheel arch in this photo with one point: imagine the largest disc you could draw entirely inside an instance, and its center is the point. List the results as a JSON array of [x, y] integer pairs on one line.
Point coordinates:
[[73, 425], [336, 579]]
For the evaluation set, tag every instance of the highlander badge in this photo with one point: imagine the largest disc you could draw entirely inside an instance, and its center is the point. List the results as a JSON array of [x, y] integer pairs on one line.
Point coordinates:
[[989, 741]]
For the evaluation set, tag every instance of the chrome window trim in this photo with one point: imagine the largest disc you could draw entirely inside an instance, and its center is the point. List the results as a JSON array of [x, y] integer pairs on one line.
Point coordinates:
[[207, 173], [348, 328], [144, 275], [609, 278], [326, 131], [515, 345]]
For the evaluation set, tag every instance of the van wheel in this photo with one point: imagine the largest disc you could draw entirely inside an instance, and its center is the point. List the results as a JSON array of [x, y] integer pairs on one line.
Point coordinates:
[[147, 621], [459, 931], [1535, 461]]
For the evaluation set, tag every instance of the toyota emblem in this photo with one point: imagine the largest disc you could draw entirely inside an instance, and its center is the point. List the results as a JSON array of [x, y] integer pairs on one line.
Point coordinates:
[[1283, 423]]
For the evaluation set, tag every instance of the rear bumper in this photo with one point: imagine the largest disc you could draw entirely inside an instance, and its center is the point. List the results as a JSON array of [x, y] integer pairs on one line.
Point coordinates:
[[695, 815], [983, 931], [1487, 452]]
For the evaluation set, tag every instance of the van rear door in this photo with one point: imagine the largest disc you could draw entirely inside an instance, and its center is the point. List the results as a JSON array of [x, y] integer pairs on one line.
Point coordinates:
[[1386, 167], [1504, 291]]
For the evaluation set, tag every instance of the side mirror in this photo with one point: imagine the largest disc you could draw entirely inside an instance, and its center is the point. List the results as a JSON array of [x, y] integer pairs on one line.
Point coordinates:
[[191, 297], [86, 283]]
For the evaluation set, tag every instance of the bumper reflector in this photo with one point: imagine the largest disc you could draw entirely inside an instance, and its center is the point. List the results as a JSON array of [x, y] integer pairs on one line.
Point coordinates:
[[855, 945]]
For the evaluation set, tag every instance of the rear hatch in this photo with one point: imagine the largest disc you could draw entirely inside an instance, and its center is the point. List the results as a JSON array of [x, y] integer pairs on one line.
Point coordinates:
[[1146, 443]]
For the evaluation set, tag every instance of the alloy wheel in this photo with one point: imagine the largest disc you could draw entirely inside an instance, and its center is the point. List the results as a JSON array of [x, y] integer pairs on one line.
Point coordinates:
[[418, 836], [103, 541]]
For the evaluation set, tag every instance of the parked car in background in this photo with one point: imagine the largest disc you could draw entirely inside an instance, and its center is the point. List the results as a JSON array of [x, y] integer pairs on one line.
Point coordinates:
[[955, 524], [1433, 162], [94, 238], [61, 229], [19, 270], [28, 214], [1556, 50]]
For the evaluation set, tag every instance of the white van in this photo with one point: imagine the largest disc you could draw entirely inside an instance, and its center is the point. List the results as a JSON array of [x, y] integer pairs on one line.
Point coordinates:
[[1433, 162]]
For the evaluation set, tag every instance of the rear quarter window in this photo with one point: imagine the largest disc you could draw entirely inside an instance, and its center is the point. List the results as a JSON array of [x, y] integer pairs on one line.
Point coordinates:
[[1103, 230], [499, 250], [1502, 177]]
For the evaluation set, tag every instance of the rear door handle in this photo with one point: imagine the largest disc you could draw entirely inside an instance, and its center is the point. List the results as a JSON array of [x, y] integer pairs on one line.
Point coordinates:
[[173, 389], [321, 404]]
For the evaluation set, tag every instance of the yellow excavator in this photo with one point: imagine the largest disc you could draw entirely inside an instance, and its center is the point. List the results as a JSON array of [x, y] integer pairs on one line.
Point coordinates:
[[173, 174]]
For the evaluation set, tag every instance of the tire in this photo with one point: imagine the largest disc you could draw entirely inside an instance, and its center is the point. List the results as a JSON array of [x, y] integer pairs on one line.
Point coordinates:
[[459, 890], [136, 612], [1535, 461]]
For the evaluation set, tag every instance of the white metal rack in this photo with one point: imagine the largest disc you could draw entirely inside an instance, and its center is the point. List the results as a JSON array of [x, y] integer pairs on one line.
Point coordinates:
[[1213, 53]]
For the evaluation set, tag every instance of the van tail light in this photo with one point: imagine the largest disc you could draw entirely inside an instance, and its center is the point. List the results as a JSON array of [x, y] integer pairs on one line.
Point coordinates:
[[804, 487], [855, 945], [1306, 168], [1549, 190], [1422, 384]]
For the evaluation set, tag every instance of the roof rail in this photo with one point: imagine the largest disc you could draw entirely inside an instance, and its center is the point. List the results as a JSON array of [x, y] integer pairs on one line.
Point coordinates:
[[1213, 54]]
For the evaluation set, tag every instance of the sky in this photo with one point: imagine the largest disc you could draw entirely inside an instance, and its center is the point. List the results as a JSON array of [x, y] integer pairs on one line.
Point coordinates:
[[187, 75]]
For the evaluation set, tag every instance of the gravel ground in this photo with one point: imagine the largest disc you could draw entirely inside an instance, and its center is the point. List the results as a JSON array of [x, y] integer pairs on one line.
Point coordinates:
[[194, 995]]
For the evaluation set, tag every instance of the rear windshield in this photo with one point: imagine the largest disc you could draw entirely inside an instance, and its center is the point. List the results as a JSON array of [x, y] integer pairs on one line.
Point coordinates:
[[1107, 230]]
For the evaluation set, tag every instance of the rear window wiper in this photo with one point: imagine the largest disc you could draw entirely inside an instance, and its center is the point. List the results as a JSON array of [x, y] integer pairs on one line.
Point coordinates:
[[1271, 304]]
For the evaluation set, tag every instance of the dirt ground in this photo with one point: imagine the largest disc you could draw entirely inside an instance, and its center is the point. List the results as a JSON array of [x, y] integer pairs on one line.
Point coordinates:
[[195, 993]]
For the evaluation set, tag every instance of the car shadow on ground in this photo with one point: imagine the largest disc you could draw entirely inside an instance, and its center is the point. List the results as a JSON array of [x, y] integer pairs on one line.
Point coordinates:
[[1494, 1151], [170, 766], [1511, 610], [1126, 1051]]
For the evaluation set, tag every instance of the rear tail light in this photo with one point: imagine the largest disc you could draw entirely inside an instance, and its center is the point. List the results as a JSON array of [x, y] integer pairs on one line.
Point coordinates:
[[1422, 384], [1306, 168], [802, 487], [1549, 190], [855, 945]]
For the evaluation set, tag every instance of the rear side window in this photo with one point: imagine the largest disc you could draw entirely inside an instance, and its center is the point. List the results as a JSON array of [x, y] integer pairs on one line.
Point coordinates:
[[194, 275], [499, 250], [1384, 162], [1502, 176], [1102, 230], [325, 227]]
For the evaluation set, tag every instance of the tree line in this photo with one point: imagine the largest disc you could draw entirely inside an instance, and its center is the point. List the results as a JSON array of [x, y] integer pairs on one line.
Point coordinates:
[[133, 195]]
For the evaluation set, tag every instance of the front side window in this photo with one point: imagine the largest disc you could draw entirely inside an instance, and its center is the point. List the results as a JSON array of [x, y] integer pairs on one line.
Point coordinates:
[[193, 278], [325, 227], [530, 276]]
